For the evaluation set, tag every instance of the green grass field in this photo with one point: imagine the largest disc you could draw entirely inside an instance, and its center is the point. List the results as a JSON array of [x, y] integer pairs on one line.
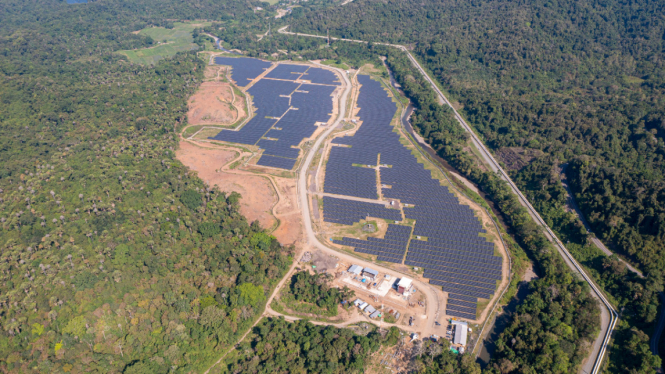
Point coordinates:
[[172, 41]]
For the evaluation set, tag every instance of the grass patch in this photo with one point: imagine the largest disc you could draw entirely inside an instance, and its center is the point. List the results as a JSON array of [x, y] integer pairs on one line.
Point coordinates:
[[334, 63], [191, 131], [168, 42]]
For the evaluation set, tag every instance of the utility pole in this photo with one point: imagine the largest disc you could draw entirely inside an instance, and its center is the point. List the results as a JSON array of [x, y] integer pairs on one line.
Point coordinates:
[[328, 36]]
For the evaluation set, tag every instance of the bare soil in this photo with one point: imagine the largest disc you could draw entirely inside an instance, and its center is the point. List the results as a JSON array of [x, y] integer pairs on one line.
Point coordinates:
[[214, 103], [287, 211], [258, 195]]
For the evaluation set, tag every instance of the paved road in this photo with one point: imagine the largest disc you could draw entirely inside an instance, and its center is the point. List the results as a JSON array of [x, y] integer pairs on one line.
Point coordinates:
[[608, 314]]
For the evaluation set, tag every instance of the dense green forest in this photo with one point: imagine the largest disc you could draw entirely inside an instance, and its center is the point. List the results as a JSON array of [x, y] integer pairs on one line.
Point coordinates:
[[113, 256], [314, 289], [277, 346]]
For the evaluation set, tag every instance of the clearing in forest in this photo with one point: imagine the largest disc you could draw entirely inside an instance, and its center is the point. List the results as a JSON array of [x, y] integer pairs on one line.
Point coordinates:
[[167, 42]]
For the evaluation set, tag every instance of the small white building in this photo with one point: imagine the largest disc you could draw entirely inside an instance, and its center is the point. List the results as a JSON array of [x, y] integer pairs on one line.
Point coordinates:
[[363, 306], [461, 329], [358, 302], [355, 269], [403, 285]]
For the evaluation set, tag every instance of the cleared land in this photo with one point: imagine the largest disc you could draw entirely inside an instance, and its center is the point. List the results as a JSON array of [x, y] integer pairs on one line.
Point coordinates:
[[258, 196], [168, 42], [215, 103]]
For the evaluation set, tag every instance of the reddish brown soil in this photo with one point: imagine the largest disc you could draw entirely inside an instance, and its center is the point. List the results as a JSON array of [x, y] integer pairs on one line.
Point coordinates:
[[212, 104], [290, 228], [258, 196]]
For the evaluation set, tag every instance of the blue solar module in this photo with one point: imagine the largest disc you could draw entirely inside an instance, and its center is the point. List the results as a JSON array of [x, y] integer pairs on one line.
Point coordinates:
[[348, 212], [320, 76], [286, 71], [277, 162], [243, 69], [390, 249]]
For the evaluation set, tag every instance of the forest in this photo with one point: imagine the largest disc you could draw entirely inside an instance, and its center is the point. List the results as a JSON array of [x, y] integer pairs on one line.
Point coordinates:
[[301, 347], [114, 257], [330, 350], [314, 289]]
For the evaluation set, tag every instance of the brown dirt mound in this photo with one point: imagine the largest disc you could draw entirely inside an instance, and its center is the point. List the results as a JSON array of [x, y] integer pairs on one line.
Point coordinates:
[[258, 196], [212, 104]]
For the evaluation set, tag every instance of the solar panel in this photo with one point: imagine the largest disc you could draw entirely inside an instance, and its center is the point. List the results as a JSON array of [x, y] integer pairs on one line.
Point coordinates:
[[243, 69]]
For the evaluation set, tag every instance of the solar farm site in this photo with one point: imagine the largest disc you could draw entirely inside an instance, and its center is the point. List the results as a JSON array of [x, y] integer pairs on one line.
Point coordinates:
[[445, 240], [290, 100]]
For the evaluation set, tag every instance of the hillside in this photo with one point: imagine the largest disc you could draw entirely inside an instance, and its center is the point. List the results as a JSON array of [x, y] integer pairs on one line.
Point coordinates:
[[113, 256]]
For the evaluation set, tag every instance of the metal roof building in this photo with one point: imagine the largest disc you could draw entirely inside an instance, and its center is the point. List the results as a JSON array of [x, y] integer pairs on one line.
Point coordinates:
[[370, 272], [370, 309], [460, 332], [355, 269], [375, 314]]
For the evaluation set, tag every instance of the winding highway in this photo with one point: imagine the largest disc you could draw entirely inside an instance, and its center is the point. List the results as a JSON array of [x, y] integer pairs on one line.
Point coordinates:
[[609, 316]]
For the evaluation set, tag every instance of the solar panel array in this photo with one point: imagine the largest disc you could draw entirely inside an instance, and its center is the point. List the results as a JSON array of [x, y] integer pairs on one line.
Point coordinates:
[[348, 212], [287, 113], [243, 69], [320, 76], [285, 71], [390, 249], [451, 251]]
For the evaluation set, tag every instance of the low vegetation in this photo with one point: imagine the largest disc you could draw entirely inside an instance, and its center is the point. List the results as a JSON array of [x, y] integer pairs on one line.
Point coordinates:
[[166, 42]]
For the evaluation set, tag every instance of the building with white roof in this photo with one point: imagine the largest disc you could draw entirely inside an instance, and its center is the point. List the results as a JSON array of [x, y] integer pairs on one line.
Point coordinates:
[[461, 329], [356, 269], [403, 285]]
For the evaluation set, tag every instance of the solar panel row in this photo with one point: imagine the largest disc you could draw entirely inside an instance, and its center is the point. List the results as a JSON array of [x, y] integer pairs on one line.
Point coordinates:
[[348, 212], [390, 249], [456, 313], [466, 304]]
